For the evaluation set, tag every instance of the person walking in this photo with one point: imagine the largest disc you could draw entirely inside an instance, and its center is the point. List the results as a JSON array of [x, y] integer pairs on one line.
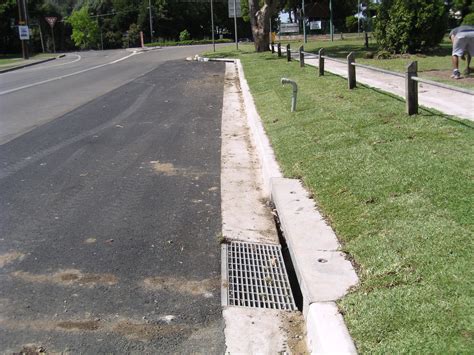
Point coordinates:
[[462, 38]]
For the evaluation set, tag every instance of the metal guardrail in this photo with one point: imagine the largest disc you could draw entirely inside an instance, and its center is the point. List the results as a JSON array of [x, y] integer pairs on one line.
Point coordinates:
[[401, 75], [441, 85], [334, 59], [410, 76]]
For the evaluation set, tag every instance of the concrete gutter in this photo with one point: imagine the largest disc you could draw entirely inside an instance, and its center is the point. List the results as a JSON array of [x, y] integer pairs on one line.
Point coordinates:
[[323, 271], [324, 274], [30, 64]]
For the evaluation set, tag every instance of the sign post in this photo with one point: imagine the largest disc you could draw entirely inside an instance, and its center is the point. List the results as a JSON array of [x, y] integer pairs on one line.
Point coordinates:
[[22, 21], [212, 25], [52, 21], [235, 11]]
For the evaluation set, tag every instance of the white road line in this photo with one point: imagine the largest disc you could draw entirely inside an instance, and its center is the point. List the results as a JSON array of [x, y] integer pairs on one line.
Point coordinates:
[[64, 76]]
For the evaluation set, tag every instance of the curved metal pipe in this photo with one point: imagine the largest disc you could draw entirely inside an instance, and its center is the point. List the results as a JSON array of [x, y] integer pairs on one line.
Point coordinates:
[[295, 91]]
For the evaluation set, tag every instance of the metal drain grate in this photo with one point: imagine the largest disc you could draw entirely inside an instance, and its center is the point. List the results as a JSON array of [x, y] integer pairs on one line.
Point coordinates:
[[256, 276]]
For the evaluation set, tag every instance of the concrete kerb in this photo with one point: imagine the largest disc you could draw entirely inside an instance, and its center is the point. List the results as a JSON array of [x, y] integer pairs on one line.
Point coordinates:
[[30, 64], [324, 274]]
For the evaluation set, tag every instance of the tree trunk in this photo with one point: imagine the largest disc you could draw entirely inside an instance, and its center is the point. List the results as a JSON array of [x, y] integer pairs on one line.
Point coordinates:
[[260, 22]]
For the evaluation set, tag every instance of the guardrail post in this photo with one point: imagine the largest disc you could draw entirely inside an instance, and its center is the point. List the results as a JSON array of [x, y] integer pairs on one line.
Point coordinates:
[[288, 52], [411, 88], [351, 71], [301, 57], [273, 49], [321, 62], [279, 49]]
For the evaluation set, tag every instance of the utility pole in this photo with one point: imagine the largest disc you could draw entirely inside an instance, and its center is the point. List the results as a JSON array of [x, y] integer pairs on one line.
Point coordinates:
[[358, 18], [330, 21], [151, 21], [235, 25], [304, 23], [212, 24], [23, 21]]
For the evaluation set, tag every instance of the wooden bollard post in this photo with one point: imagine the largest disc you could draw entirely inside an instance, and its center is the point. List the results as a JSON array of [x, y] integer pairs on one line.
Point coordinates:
[[351, 71], [288, 52], [321, 62], [279, 49], [411, 88], [273, 49], [301, 56]]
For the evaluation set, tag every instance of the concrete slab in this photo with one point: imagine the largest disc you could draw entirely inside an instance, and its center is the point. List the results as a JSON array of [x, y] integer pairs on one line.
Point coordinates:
[[253, 331], [327, 333], [245, 214]]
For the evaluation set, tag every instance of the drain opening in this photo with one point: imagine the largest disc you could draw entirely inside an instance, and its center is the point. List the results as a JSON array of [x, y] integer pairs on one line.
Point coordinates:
[[256, 277], [290, 269]]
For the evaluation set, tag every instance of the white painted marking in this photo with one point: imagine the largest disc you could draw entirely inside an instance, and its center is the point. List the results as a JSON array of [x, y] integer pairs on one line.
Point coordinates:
[[65, 76]]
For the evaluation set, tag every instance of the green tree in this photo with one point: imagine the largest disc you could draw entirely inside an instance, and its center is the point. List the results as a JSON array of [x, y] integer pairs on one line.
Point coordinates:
[[410, 25], [85, 30]]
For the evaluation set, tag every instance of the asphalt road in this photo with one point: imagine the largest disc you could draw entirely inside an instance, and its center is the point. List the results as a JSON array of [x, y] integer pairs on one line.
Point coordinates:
[[110, 212], [32, 96]]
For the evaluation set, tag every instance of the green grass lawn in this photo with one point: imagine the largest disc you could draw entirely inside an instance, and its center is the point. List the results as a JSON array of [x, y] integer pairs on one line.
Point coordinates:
[[16, 59], [435, 65], [397, 189]]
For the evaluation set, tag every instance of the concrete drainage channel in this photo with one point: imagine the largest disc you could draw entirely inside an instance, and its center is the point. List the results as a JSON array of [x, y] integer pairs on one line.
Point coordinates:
[[258, 292]]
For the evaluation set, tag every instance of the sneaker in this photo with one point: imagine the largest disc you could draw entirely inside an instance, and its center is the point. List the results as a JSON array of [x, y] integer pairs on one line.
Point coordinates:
[[456, 74], [467, 71]]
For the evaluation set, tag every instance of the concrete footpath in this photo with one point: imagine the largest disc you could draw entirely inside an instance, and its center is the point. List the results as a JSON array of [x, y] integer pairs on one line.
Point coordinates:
[[444, 100]]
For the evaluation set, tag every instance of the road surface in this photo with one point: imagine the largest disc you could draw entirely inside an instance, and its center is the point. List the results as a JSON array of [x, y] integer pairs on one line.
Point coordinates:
[[110, 204]]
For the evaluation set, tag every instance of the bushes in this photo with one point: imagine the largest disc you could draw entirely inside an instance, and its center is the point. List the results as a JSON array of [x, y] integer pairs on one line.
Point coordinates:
[[410, 25], [351, 23], [468, 19], [184, 36]]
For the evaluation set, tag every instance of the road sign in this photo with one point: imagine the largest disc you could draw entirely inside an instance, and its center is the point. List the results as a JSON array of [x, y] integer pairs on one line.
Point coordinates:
[[231, 9], [51, 20], [315, 25], [289, 28], [24, 32]]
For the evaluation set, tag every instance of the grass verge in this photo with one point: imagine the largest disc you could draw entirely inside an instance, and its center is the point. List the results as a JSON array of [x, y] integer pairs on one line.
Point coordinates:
[[16, 59], [398, 191]]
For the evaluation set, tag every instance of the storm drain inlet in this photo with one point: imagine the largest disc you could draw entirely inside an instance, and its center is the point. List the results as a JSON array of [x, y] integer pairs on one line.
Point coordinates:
[[255, 276]]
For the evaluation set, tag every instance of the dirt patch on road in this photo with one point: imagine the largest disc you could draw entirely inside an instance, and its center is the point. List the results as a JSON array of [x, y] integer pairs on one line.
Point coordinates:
[[145, 332], [69, 277], [127, 328], [294, 326], [79, 325], [167, 169], [10, 257], [180, 285]]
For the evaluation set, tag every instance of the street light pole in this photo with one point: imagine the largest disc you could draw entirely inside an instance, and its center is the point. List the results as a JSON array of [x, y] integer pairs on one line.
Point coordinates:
[[23, 20], [330, 21], [304, 23], [235, 25], [151, 21], [358, 18], [212, 24]]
